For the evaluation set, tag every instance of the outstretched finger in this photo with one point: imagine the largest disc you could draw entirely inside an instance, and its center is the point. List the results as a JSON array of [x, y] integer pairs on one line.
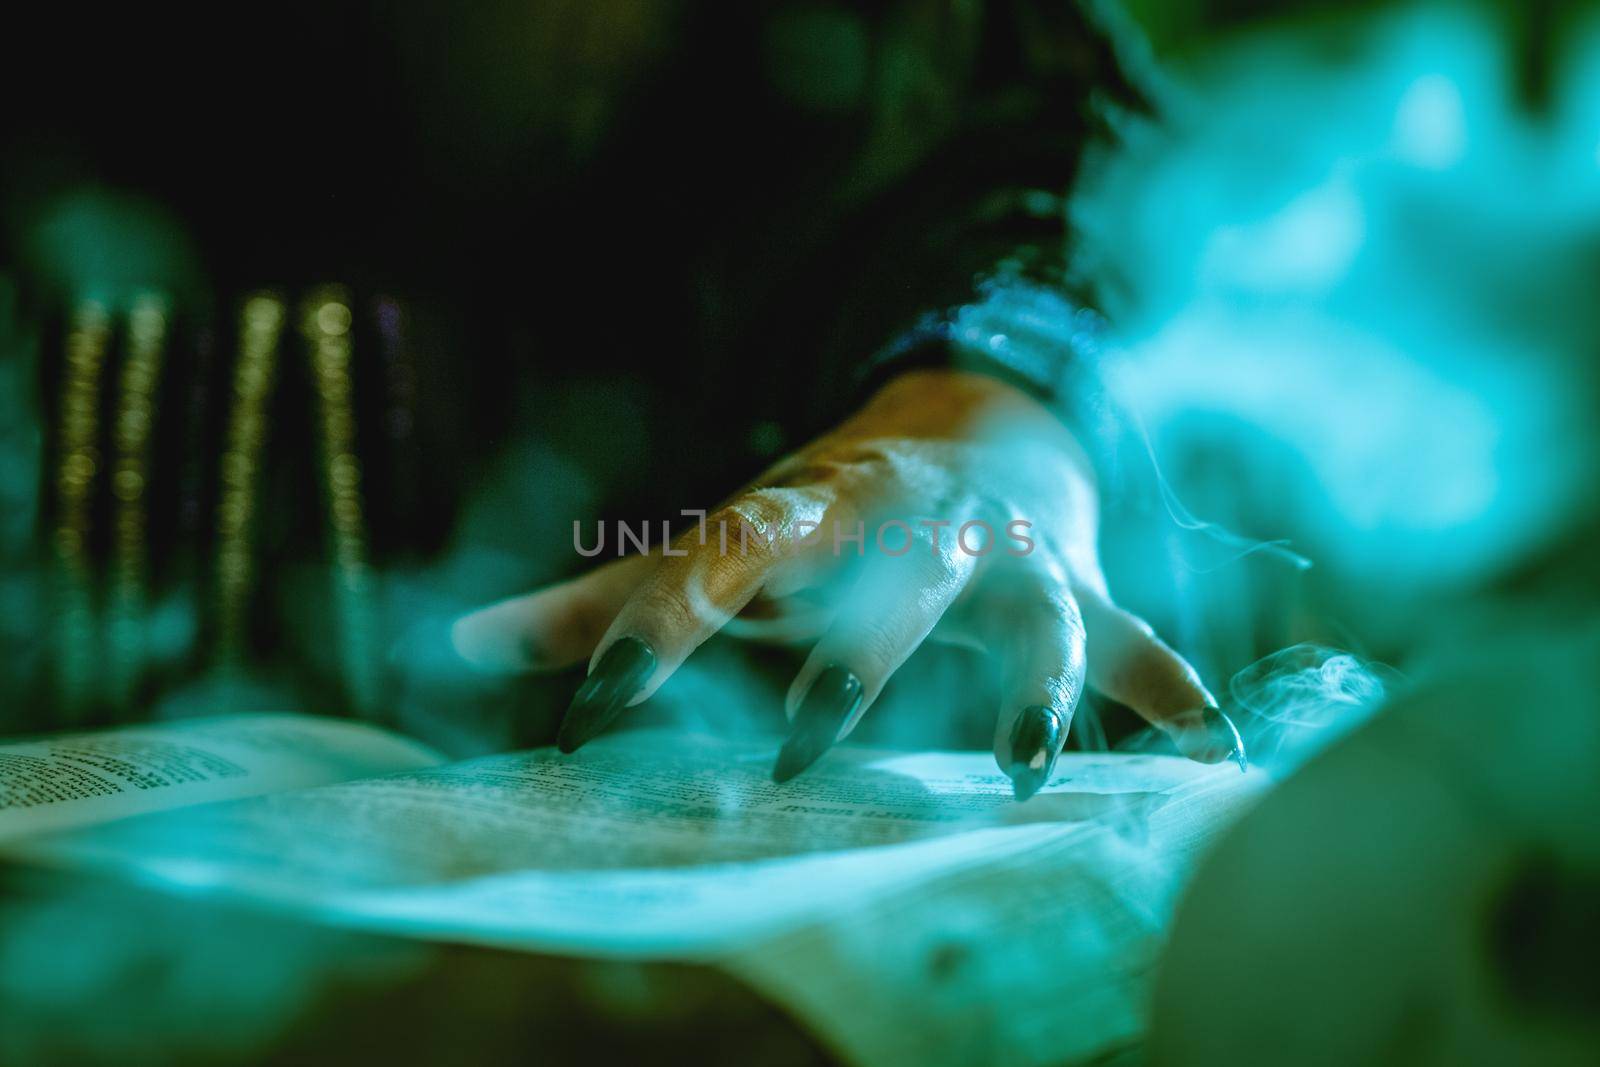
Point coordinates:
[[894, 604], [1132, 665], [754, 541], [553, 627], [1035, 630]]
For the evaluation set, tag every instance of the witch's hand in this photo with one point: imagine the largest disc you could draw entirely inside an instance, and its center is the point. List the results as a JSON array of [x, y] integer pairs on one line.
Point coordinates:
[[953, 506]]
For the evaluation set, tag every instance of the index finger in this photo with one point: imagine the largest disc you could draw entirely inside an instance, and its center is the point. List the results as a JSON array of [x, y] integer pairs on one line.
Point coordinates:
[[695, 590]]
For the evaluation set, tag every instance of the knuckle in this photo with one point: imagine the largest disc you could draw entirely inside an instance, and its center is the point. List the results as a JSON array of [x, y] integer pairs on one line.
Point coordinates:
[[806, 469], [668, 607], [929, 565], [754, 522], [1065, 685], [934, 550], [699, 592], [876, 649], [772, 521], [719, 582], [763, 509], [1056, 606]]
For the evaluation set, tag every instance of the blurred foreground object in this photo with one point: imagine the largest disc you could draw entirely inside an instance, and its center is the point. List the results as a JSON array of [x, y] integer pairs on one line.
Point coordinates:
[[1426, 892]]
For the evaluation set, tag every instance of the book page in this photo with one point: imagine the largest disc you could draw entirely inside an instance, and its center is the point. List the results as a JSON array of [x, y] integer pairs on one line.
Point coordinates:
[[648, 843], [910, 881], [61, 781], [1039, 955]]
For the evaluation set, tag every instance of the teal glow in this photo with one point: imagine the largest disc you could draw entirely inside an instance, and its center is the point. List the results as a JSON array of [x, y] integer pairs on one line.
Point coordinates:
[[110, 246], [1377, 257]]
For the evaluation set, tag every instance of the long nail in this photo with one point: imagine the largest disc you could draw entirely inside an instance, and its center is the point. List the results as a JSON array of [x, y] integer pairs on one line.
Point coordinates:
[[615, 680], [1219, 723], [1208, 736], [833, 697], [1035, 741]]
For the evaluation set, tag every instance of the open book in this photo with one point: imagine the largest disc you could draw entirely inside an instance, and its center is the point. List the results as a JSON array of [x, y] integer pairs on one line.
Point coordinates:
[[902, 904]]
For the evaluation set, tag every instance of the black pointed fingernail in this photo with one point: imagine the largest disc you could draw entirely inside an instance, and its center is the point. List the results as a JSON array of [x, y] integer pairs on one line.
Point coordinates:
[[615, 680], [1036, 738], [1207, 735], [1223, 729], [833, 697]]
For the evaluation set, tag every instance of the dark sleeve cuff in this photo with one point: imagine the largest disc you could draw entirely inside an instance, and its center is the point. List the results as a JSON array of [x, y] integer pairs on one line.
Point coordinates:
[[1030, 336]]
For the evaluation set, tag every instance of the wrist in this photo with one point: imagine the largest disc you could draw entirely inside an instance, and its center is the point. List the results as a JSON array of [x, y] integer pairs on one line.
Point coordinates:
[[947, 403]]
